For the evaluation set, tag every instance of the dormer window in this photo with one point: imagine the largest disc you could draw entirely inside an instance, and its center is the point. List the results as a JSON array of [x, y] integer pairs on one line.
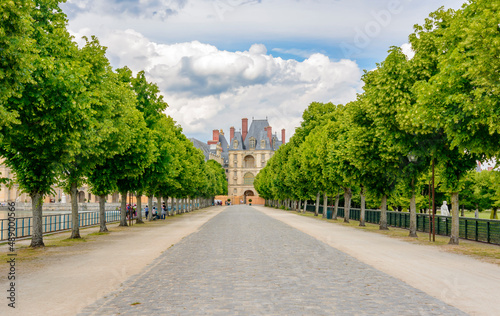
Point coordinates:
[[235, 144], [252, 143], [262, 144]]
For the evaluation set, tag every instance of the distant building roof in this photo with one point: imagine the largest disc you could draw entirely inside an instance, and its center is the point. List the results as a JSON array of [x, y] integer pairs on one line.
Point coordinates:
[[203, 146], [258, 134]]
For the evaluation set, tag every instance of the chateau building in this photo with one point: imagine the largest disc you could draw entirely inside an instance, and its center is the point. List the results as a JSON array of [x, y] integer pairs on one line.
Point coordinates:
[[243, 156], [12, 192]]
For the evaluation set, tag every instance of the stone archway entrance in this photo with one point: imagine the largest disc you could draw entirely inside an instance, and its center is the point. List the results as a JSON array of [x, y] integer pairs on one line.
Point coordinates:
[[247, 194]]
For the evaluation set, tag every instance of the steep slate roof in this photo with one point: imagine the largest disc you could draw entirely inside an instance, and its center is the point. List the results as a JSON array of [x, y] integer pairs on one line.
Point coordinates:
[[238, 137], [201, 145], [257, 131], [225, 152]]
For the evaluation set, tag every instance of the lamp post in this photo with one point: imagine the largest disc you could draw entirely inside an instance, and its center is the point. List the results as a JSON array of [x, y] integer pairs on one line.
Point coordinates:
[[433, 206], [412, 158]]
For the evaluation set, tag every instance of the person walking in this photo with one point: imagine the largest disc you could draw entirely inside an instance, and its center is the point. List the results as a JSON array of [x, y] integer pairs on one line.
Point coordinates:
[[163, 211]]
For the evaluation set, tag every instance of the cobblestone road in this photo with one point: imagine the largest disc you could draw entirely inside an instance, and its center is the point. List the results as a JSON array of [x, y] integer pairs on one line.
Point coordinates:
[[243, 262]]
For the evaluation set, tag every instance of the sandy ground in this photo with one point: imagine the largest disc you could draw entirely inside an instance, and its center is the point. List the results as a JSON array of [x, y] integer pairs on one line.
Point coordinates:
[[64, 283], [466, 283]]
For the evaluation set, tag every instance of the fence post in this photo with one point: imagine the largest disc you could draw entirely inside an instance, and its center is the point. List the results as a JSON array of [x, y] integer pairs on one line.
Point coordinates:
[[488, 231], [477, 230]]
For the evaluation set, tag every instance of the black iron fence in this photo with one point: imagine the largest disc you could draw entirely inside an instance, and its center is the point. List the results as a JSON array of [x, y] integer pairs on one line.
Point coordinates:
[[484, 230]]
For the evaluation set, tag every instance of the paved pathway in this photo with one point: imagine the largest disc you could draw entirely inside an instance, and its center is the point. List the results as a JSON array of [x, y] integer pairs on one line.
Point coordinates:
[[243, 262]]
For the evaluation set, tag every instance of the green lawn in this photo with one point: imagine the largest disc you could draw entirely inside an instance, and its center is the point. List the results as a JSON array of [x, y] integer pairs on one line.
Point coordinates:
[[483, 214]]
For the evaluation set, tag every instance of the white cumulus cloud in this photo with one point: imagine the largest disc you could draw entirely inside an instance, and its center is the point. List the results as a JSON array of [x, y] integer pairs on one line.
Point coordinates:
[[208, 88]]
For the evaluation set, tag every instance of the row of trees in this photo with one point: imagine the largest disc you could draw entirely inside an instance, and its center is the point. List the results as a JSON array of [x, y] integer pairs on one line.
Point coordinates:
[[67, 118], [437, 112]]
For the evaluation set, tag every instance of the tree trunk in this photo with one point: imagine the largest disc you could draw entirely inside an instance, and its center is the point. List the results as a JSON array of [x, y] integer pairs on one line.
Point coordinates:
[[139, 209], [413, 213], [75, 217], [383, 214], [305, 206], [362, 212], [37, 235], [347, 203], [150, 208], [336, 208], [172, 205], [123, 210], [462, 212], [494, 214], [455, 223], [325, 205], [102, 214], [316, 209]]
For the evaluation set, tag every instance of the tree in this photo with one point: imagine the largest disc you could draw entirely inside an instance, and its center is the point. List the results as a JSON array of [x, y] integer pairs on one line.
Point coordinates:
[[339, 171], [52, 110], [131, 164], [93, 144], [437, 113], [159, 176], [150, 103], [120, 128], [463, 96]]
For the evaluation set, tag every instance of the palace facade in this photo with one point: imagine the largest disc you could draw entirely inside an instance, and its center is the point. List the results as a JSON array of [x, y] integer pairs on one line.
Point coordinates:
[[243, 155]]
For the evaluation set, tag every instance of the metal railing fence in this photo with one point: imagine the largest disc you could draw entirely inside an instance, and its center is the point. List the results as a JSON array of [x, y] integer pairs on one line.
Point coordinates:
[[53, 223], [484, 230]]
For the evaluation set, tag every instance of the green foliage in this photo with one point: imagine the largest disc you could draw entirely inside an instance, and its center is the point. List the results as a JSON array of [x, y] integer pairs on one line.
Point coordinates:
[[18, 53], [462, 97], [440, 106], [217, 184], [481, 190], [52, 107]]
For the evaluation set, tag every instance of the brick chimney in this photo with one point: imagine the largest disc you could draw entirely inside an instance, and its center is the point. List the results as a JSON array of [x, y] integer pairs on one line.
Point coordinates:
[[283, 136], [215, 137], [231, 134], [244, 128], [270, 135]]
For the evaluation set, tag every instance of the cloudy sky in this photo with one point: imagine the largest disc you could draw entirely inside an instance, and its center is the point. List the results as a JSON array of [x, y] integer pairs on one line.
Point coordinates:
[[217, 61]]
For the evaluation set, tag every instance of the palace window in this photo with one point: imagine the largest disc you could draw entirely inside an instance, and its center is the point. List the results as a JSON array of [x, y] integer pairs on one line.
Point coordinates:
[[252, 143], [248, 179], [249, 162], [263, 144], [235, 144]]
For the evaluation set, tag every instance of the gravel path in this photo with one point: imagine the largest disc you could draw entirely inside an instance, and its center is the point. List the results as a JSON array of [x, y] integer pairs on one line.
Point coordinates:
[[243, 262]]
